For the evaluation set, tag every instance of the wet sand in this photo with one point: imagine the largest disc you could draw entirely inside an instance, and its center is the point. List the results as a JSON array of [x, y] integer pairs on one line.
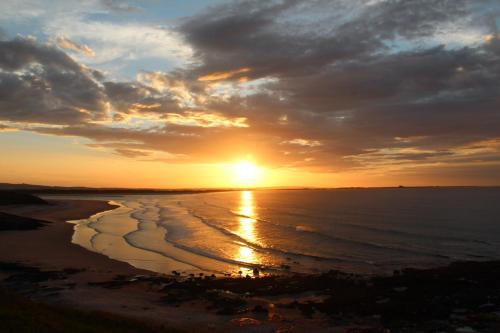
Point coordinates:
[[50, 247]]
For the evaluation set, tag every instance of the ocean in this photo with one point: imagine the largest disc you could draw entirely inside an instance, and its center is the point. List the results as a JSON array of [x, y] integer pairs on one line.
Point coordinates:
[[368, 231]]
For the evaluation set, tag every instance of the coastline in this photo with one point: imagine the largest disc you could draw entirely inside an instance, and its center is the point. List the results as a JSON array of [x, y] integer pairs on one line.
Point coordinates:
[[51, 247], [44, 265]]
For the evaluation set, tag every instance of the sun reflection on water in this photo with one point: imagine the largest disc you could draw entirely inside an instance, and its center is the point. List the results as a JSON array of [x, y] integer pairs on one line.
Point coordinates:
[[246, 229]]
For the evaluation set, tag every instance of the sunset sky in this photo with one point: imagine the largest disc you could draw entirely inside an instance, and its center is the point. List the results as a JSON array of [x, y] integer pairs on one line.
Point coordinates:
[[199, 93]]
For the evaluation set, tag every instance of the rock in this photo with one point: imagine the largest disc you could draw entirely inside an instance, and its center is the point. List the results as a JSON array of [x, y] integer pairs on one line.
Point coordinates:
[[259, 309], [457, 317], [245, 321], [487, 305], [271, 311], [20, 198], [226, 302], [383, 301]]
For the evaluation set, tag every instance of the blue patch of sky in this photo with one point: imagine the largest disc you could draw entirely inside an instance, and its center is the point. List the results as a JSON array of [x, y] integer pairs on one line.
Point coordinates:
[[170, 9], [128, 70], [23, 28], [156, 12]]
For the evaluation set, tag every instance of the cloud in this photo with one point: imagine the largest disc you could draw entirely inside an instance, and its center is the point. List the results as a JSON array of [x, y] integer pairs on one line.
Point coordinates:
[[134, 97], [355, 84], [65, 43], [122, 45], [223, 75], [119, 6], [304, 142], [204, 119], [5, 128], [41, 84], [132, 153], [330, 86], [273, 38]]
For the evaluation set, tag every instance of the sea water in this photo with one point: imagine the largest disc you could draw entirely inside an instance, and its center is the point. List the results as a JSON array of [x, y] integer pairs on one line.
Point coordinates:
[[370, 231]]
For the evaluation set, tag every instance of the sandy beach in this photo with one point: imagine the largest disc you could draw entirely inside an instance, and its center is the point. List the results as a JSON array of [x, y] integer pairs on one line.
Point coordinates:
[[50, 247]]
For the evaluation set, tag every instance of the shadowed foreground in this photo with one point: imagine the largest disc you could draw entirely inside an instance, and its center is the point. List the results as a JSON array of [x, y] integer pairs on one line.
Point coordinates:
[[19, 315]]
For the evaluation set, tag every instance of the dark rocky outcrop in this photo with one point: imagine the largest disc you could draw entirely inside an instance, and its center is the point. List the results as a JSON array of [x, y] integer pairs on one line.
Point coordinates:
[[19, 198]]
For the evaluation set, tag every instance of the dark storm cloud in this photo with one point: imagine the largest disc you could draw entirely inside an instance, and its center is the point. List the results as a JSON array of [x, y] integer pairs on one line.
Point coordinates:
[[41, 84], [19, 53], [252, 34], [129, 97], [409, 19]]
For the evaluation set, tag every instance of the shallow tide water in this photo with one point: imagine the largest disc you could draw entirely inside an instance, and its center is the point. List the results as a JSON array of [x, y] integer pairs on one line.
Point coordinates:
[[372, 231]]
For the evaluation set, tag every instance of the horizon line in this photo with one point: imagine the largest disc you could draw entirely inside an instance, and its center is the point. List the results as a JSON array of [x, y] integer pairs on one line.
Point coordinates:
[[4, 186]]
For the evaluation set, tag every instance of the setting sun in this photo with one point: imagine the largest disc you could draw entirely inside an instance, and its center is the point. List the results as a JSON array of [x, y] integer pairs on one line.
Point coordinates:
[[246, 173]]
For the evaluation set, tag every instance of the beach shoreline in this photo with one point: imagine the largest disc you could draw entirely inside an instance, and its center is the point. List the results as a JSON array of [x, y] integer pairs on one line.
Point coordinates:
[[51, 247], [46, 266]]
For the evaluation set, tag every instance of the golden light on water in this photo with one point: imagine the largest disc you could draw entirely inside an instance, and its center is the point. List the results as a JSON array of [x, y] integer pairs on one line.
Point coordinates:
[[245, 254], [246, 204], [246, 228]]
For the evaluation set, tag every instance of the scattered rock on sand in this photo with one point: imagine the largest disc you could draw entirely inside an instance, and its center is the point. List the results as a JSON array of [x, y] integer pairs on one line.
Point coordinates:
[[245, 321], [466, 329]]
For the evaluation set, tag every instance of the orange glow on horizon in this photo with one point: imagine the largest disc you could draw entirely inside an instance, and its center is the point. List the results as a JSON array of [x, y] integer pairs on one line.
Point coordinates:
[[65, 161]]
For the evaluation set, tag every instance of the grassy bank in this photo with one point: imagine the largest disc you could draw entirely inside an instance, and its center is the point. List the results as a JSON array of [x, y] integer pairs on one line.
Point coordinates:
[[21, 315]]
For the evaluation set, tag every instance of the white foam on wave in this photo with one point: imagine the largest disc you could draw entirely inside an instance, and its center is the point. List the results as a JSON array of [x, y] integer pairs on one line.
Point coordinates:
[[105, 233], [304, 228], [153, 231]]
